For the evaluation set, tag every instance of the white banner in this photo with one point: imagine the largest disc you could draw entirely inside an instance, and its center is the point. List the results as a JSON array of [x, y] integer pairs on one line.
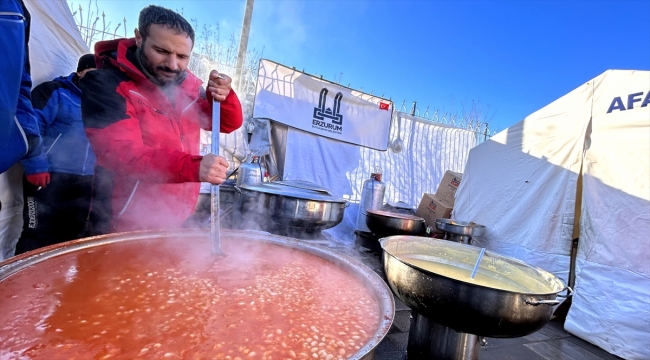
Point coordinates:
[[320, 107]]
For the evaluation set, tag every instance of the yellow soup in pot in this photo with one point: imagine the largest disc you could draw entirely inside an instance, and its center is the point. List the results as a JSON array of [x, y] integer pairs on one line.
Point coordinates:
[[463, 274]]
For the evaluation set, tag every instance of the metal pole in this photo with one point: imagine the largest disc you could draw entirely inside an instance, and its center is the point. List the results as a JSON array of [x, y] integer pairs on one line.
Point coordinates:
[[215, 226], [243, 44]]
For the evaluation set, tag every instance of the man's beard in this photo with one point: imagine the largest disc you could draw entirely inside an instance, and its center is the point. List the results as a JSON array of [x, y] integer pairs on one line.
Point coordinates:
[[162, 80]]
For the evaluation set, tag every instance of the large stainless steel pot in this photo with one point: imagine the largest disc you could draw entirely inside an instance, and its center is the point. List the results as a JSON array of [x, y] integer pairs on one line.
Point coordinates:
[[366, 275], [464, 306], [388, 223], [292, 206]]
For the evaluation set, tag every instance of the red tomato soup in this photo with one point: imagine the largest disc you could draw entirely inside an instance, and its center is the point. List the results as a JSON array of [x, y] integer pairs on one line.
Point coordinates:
[[172, 299]]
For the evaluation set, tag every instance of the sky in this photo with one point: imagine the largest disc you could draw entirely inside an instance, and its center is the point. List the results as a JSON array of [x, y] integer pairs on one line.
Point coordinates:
[[508, 57]]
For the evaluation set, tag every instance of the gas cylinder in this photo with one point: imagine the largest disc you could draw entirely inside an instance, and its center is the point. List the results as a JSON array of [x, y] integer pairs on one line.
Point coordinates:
[[372, 198], [250, 173]]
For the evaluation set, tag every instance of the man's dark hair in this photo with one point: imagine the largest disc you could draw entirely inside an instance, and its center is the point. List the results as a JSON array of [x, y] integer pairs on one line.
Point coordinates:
[[158, 15]]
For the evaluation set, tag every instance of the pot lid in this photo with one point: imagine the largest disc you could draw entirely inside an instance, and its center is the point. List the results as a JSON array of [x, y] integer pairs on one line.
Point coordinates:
[[306, 185], [401, 205], [275, 188], [395, 215]]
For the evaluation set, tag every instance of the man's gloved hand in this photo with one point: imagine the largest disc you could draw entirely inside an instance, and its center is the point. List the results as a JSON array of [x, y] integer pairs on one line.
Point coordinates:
[[40, 179]]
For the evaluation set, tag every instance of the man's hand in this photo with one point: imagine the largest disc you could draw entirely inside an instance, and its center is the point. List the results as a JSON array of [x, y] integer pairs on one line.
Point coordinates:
[[40, 179], [213, 169], [219, 85]]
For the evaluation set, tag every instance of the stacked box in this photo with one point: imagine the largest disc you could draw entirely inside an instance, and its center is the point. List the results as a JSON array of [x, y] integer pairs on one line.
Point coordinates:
[[448, 186], [432, 207], [440, 204]]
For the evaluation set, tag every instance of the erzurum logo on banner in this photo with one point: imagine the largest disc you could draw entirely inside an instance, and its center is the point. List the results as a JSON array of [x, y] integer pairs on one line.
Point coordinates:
[[328, 119]]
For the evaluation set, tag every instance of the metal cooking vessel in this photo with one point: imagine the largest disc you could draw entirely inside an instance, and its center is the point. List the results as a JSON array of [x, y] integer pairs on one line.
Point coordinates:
[[292, 206], [250, 172], [467, 307], [354, 267], [460, 227], [387, 223]]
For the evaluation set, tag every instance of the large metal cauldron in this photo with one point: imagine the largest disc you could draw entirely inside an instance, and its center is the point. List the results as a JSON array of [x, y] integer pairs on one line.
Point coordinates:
[[354, 267], [291, 206], [464, 306]]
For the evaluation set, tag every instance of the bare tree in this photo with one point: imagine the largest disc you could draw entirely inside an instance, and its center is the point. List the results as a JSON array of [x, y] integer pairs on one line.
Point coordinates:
[[476, 115], [90, 32]]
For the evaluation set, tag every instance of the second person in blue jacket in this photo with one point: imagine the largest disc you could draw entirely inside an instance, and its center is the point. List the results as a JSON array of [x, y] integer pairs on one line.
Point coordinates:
[[59, 185]]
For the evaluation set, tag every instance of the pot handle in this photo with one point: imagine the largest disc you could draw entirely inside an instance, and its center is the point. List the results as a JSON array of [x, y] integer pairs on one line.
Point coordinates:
[[534, 302], [569, 292], [541, 302], [239, 190]]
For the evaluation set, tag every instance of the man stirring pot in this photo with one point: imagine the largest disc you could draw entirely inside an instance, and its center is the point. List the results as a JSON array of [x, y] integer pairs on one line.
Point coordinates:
[[142, 112]]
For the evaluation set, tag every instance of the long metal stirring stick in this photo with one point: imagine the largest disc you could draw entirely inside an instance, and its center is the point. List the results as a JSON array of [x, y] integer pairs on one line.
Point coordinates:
[[478, 261], [215, 227]]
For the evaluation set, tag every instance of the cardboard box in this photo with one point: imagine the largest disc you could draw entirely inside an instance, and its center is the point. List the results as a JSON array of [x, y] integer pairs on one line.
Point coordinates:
[[448, 186], [431, 208]]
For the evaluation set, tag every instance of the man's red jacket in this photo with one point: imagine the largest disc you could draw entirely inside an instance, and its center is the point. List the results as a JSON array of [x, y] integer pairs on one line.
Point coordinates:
[[147, 145]]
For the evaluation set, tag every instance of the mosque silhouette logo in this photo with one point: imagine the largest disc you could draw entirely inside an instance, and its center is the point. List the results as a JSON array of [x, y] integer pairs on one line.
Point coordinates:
[[328, 119]]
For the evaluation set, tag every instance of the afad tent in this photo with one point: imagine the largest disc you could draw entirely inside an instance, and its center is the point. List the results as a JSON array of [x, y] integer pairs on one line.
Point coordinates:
[[577, 168]]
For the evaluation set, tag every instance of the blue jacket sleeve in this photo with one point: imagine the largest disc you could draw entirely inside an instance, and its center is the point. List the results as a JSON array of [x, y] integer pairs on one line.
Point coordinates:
[[33, 161], [46, 108], [24, 111]]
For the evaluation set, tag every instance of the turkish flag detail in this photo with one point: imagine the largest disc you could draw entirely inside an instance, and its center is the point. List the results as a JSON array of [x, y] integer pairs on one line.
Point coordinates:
[[383, 105]]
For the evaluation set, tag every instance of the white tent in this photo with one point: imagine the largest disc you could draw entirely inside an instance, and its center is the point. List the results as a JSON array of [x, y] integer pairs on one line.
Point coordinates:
[[55, 46], [55, 43], [579, 167]]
